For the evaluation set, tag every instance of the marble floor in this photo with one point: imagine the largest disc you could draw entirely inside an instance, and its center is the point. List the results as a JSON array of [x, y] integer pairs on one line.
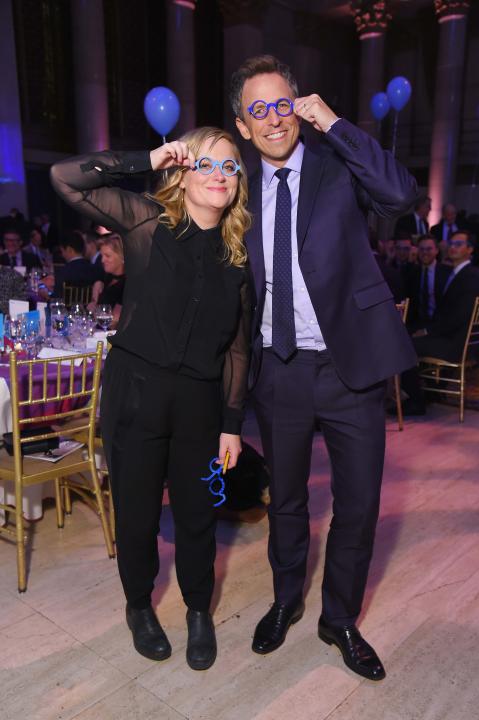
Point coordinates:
[[65, 651]]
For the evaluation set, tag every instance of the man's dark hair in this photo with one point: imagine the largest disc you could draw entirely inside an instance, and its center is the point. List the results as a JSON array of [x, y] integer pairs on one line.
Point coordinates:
[[470, 238], [259, 65], [428, 237], [422, 200], [11, 230], [74, 239], [402, 235]]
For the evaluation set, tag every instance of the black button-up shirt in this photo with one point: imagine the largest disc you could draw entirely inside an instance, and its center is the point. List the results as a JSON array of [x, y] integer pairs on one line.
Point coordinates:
[[184, 308]]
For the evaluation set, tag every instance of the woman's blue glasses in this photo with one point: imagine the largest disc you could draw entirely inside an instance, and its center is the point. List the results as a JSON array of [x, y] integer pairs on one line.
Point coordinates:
[[206, 165]]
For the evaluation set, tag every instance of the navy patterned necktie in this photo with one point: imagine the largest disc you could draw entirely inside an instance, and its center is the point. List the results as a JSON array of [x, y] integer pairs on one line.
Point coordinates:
[[284, 333]]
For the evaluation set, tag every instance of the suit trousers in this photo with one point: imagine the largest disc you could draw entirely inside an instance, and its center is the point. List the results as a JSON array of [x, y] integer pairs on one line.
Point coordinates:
[[290, 399], [158, 424]]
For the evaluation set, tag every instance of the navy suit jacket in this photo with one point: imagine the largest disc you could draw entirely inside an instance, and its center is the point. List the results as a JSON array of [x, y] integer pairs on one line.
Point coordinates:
[[350, 175]]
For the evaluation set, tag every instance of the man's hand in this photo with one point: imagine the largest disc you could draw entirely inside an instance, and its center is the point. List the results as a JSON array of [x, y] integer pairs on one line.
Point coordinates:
[[315, 111], [231, 444], [172, 155]]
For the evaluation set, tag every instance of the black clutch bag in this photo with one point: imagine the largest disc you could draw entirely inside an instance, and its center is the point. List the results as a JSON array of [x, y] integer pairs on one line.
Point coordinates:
[[34, 446]]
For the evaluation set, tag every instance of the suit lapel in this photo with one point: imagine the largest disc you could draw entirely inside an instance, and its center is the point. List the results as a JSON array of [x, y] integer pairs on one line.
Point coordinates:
[[312, 171], [254, 237]]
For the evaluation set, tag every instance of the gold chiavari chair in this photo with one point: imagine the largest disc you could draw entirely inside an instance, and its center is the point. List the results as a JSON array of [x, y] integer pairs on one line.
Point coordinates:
[[403, 309], [453, 375], [24, 471], [73, 294]]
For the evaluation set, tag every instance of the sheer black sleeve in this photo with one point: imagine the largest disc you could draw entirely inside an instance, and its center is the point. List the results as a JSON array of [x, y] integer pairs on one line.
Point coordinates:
[[235, 371], [83, 182]]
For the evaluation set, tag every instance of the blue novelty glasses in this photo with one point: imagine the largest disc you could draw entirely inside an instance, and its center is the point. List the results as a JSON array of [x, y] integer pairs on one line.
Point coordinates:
[[260, 109], [228, 167]]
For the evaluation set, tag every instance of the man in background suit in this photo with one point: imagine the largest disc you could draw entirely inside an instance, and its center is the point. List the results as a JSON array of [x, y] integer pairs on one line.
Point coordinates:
[[448, 224], [416, 222], [14, 256], [426, 284], [326, 335], [445, 336]]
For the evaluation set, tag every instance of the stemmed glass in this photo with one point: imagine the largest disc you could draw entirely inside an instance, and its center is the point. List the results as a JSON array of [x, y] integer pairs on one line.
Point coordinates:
[[104, 316]]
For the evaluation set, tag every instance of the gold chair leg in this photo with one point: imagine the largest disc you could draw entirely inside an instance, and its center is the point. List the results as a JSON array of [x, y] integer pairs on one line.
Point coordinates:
[[20, 533], [461, 396], [68, 499], [397, 392], [111, 511], [101, 508], [59, 504]]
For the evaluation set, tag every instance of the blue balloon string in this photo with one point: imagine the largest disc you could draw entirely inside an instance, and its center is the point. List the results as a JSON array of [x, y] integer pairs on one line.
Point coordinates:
[[216, 477]]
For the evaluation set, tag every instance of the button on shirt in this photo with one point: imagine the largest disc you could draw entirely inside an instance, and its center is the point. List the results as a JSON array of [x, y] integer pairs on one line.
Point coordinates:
[[308, 333]]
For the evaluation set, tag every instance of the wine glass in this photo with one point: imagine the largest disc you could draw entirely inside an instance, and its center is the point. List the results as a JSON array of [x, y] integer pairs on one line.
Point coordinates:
[[104, 316]]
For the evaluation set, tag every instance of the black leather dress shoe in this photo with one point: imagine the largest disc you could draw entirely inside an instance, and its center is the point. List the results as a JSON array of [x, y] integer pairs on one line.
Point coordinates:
[[149, 637], [272, 628], [201, 647], [357, 654]]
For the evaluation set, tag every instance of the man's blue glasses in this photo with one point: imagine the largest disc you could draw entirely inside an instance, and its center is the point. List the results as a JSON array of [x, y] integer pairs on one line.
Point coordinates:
[[228, 167], [260, 108]]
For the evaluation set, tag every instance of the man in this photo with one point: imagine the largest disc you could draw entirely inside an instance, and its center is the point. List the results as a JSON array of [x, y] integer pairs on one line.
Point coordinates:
[[326, 334], [448, 224], [415, 223], [445, 336], [14, 256], [93, 254], [77, 271], [426, 284], [12, 287]]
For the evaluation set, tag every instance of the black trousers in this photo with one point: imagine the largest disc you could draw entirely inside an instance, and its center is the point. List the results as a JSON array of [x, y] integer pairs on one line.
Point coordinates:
[[157, 424], [289, 400]]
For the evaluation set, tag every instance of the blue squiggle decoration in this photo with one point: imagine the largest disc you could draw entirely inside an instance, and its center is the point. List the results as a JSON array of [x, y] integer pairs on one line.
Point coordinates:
[[213, 478]]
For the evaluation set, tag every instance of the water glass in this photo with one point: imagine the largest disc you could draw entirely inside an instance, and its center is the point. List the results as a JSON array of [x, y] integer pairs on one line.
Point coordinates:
[[104, 316]]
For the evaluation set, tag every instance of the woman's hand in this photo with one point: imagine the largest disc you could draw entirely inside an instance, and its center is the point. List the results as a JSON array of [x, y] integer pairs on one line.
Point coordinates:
[[313, 109], [232, 444], [171, 155]]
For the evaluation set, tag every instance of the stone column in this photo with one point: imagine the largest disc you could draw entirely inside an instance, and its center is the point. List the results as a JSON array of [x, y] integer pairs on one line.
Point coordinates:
[[452, 19], [372, 19], [12, 174], [91, 91], [242, 38], [181, 69]]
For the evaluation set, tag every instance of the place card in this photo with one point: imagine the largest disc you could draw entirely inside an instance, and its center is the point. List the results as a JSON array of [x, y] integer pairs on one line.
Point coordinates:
[[17, 307]]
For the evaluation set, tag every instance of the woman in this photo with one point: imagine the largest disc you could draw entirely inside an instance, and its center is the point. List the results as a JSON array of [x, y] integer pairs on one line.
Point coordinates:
[[110, 289], [174, 382]]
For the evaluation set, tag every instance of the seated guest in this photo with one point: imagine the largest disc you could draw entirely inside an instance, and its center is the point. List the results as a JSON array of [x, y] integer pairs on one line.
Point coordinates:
[[77, 271], [426, 284], [402, 259], [416, 222], [446, 335], [12, 287], [36, 247], [110, 291], [391, 274], [448, 224], [93, 254], [14, 256]]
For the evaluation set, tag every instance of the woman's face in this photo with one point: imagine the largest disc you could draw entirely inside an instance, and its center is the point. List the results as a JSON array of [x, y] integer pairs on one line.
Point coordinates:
[[214, 192], [112, 262]]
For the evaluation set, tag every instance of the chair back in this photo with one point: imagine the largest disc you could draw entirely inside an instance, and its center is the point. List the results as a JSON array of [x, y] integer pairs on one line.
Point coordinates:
[[403, 309], [472, 337], [60, 384], [73, 294]]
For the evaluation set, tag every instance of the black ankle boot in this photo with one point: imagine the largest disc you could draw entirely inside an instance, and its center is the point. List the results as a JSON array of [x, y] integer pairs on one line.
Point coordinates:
[[149, 637], [201, 648]]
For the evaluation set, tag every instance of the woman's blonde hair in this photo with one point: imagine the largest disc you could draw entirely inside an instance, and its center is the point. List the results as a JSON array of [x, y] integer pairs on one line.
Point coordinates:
[[236, 219], [114, 242]]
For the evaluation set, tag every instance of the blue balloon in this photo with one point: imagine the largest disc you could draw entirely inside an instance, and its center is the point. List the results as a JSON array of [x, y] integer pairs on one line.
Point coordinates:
[[399, 92], [379, 105], [162, 109]]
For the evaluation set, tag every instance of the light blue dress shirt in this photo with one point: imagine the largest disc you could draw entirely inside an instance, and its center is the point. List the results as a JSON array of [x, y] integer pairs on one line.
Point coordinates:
[[308, 332]]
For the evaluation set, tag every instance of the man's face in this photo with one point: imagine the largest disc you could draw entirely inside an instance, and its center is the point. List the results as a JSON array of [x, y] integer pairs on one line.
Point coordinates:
[[403, 249], [427, 252], [12, 243], [459, 250], [424, 209], [275, 137], [450, 213]]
